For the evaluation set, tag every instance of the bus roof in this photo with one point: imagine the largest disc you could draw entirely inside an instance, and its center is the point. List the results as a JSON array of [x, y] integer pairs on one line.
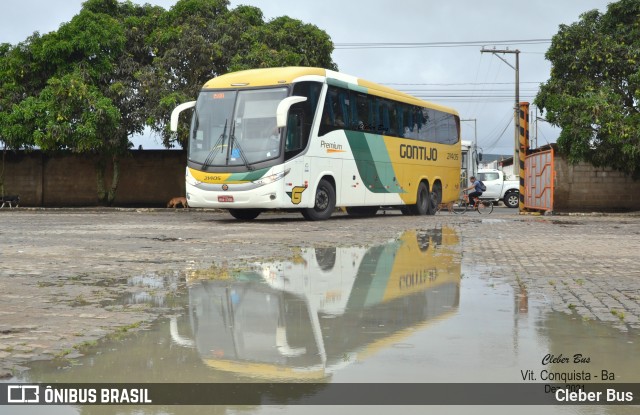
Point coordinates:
[[288, 75]]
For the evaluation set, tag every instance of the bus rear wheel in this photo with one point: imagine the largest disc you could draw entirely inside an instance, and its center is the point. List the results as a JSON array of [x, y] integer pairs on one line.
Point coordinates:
[[245, 214], [425, 205], [324, 202]]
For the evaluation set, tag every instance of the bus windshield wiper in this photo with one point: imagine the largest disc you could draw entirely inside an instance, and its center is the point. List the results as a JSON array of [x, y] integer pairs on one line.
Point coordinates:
[[232, 142], [217, 144]]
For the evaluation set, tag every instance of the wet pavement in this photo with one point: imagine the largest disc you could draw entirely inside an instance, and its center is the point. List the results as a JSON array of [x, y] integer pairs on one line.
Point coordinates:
[[192, 296]]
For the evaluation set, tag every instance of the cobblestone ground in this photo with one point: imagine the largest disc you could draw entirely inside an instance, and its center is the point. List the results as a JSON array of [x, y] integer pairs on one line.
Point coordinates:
[[578, 264], [64, 271]]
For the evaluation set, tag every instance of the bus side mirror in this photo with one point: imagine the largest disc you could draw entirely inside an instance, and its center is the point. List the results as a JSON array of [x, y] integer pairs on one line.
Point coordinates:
[[479, 156], [283, 109], [176, 113]]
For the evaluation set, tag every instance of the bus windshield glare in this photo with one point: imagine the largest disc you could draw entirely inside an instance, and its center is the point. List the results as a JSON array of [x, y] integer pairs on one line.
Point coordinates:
[[235, 128]]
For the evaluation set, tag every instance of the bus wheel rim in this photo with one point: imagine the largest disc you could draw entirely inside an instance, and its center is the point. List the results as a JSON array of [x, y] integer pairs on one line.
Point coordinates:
[[322, 200]]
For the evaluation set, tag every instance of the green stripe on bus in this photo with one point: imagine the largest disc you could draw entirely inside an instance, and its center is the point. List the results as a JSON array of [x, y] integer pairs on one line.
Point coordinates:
[[382, 273], [373, 162], [373, 275]]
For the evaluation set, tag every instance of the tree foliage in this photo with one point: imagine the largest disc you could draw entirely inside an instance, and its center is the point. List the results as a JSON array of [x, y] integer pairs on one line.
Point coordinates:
[[594, 87], [200, 39], [118, 67]]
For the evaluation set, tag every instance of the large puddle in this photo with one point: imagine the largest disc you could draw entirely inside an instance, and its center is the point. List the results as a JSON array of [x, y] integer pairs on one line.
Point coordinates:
[[408, 311]]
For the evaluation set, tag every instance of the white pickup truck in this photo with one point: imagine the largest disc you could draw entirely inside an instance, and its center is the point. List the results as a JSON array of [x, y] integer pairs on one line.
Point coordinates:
[[498, 188]]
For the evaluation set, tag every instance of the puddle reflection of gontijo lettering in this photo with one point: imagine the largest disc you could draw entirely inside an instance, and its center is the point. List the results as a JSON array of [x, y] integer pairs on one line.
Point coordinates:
[[305, 318]]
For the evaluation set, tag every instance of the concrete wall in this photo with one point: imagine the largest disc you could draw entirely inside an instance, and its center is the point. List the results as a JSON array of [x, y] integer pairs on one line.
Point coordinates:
[[152, 177], [147, 178], [583, 187]]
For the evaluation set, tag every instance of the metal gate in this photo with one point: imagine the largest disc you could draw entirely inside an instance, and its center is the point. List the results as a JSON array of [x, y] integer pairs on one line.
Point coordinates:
[[539, 179]]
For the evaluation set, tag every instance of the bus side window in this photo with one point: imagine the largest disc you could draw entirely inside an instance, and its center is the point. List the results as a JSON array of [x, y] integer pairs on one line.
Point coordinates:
[[344, 109], [399, 120], [362, 108], [377, 114], [331, 115], [423, 123], [388, 117], [355, 120], [301, 116], [295, 141]]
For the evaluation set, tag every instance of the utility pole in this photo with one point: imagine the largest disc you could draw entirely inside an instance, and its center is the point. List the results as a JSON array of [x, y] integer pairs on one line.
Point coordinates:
[[516, 107]]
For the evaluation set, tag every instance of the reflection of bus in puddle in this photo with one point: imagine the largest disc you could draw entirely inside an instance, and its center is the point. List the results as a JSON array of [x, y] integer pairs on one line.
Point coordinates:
[[328, 307]]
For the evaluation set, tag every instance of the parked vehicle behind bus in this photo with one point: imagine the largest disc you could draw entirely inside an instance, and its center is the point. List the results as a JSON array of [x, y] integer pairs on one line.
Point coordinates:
[[311, 140], [498, 188]]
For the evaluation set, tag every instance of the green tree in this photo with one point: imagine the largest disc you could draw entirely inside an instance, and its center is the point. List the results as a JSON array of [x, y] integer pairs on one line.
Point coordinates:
[[283, 42], [593, 91], [187, 49], [77, 88], [201, 39]]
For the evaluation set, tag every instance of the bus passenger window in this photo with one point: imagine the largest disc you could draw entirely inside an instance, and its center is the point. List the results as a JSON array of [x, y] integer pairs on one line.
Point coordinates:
[[353, 114], [295, 131], [422, 117], [345, 109], [363, 112], [388, 117], [332, 116], [303, 114]]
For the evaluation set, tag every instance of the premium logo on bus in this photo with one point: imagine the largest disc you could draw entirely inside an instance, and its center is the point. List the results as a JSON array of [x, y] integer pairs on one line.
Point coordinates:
[[331, 147], [408, 151], [225, 187]]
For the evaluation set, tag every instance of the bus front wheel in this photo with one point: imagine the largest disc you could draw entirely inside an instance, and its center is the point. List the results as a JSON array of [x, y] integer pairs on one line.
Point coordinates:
[[325, 202]]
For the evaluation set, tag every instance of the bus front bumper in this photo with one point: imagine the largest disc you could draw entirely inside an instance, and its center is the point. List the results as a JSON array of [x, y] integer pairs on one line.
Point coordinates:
[[266, 197]]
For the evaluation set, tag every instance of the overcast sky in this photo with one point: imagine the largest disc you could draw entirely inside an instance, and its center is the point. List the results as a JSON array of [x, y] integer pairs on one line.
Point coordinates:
[[478, 85]]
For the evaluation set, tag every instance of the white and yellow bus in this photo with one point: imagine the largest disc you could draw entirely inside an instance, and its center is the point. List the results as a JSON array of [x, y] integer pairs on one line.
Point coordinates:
[[311, 140]]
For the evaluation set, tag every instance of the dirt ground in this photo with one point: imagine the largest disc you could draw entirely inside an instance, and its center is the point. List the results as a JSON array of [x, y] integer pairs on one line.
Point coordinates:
[[65, 272]]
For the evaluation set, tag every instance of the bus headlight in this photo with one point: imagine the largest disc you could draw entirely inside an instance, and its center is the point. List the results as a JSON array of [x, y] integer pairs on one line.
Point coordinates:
[[191, 180], [271, 179]]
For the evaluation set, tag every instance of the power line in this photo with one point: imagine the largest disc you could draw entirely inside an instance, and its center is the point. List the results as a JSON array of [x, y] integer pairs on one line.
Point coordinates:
[[469, 43], [459, 83], [464, 90], [469, 96], [494, 143]]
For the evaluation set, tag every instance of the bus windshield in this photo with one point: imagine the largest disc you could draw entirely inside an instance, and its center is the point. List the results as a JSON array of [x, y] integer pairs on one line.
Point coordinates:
[[235, 128]]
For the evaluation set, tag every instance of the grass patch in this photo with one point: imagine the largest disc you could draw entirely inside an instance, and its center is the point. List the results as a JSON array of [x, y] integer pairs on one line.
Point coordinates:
[[618, 314], [86, 345]]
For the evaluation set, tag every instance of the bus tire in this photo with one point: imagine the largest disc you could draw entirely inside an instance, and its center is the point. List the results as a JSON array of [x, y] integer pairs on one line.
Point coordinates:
[[437, 192], [435, 197], [324, 202], [433, 203], [245, 214], [362, 211], [423, 201]]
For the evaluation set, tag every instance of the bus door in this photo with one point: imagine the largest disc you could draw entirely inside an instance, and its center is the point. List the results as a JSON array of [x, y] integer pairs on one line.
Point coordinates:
[[296, 139]]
